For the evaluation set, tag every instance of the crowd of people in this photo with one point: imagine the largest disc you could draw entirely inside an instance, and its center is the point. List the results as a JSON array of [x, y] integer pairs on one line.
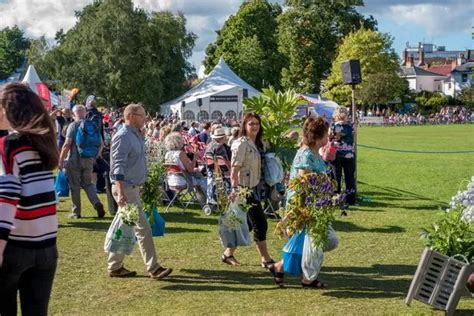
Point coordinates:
[[113, 145], [446, 115]]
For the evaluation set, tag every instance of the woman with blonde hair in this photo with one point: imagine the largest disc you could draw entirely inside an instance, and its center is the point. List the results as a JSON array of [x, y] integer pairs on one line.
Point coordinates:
[[28, 221], [342, 134]]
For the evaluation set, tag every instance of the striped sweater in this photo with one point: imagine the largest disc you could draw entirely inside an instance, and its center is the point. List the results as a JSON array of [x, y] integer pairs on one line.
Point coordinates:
[[27, 198]]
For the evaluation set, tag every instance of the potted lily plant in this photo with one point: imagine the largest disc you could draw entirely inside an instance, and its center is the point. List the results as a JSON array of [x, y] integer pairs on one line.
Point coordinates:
[[445, 271]]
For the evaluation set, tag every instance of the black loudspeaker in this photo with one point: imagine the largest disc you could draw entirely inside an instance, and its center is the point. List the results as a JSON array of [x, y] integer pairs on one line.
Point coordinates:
[[351, 72], [199, 102], [246, 93], [183, 104]]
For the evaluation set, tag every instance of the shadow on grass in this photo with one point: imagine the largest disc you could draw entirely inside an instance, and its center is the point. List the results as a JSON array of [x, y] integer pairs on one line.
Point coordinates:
[[368, 282], [401, 199], [219, 280], [351, 227], [104, 226], [189, 216]]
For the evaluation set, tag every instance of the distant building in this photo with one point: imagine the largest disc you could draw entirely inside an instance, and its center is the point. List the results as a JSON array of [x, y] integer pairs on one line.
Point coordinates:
[[433, 68]]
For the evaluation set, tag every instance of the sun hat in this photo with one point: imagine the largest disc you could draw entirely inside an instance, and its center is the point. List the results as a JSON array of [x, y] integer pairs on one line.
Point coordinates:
[[218, 133]]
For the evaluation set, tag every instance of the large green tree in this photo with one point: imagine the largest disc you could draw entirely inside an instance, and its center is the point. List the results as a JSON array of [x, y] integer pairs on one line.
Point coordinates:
[[248, 44], [123, 54], [13, 46], [379, 66], [309, 32]]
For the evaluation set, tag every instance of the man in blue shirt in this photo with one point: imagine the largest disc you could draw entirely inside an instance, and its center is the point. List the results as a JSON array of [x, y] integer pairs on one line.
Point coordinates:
[[128, 172]]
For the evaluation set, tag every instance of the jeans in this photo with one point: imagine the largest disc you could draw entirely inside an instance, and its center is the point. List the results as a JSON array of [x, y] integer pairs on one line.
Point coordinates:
[[30, 271], [348, 165]]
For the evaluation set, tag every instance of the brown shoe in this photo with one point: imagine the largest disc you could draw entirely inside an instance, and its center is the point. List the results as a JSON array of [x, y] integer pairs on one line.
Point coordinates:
[[100, 210], [122, 273], [161, 273]]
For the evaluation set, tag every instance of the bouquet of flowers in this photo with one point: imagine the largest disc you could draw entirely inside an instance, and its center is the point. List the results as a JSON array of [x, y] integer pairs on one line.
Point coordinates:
[[453, 234], [312, 206], [129, 214], [156, 172], [233, 216]]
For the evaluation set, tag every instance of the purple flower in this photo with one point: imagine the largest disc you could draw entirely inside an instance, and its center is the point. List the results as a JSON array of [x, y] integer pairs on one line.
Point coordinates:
[[307, 201]]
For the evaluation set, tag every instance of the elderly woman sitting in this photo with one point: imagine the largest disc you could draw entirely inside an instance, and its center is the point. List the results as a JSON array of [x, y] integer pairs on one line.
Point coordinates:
[[181, 169]]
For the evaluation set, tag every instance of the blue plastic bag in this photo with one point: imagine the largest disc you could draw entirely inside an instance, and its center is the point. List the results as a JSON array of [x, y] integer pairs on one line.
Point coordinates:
[[157, 223], [293, 253], [61, 185]]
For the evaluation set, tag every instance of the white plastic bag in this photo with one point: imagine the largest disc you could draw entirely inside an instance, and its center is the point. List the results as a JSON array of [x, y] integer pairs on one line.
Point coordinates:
[[120, 237], [274, 172], [312, 259], [234, 233]]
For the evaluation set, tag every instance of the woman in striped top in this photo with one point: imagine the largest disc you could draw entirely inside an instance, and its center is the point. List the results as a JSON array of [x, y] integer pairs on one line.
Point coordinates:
[[28, 222]]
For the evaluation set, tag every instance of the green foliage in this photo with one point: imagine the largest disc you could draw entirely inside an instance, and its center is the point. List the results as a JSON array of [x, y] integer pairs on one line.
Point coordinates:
[[123, 54], [309, 31], [277, 110], [13, 46], [379, 66], [151, 189], [467, 97], [312, 207], [248, 44], [451, 235]]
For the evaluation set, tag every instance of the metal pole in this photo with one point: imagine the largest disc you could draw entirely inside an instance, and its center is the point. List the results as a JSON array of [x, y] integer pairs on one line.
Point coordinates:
[[354, 124]]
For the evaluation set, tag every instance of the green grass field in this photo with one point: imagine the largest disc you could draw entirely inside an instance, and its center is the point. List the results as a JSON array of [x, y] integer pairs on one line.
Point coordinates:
[[369, 274]]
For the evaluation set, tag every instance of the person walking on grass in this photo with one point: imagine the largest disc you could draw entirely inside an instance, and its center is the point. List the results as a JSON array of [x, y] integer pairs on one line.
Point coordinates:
[[79, 165], [246, 171], [28, 220], [128, 172]]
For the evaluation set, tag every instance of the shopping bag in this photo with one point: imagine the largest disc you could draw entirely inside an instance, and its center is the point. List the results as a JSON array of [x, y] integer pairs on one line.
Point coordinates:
[[120, 237], [273, 169], [157, 223], [311, 260], [293, 252], [233, 227], [61, 185]]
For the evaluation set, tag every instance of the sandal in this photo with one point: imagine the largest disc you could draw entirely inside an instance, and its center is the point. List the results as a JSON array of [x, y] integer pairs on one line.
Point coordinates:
[[268, 264], [277, 276], [230, 260], [316, 284]]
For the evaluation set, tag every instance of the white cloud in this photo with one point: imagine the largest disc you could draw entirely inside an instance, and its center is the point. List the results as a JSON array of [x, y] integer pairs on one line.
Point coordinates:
[[435, 17]]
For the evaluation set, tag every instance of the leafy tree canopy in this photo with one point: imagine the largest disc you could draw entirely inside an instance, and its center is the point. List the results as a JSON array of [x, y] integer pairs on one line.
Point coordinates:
[[379, 66], [248, 44], [309, 32], [13, 46], [122, 54]]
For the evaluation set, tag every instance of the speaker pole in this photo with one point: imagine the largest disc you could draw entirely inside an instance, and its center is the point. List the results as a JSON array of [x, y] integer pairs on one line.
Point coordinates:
[[354, 125]]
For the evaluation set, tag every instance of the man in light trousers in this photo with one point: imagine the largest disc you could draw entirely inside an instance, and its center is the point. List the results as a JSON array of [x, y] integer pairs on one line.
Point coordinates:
[[79, 169], [128, 171]]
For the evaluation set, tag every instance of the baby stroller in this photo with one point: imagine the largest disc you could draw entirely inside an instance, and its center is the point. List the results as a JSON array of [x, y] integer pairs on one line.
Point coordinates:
[[218, 183]]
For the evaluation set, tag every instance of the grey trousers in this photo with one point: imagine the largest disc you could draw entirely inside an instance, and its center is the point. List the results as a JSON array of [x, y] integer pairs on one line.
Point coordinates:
[[79, 175], [142, 232]]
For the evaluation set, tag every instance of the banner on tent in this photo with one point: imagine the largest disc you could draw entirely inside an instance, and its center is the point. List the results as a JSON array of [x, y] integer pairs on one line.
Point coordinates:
[[223, 98], [43, 93]]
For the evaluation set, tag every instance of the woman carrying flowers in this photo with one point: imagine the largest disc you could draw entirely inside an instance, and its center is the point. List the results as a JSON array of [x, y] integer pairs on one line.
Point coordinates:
[[246, 171], [311, 187]]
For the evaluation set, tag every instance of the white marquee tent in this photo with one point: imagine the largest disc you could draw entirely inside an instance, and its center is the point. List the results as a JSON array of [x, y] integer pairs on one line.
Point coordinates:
[[219, 95]]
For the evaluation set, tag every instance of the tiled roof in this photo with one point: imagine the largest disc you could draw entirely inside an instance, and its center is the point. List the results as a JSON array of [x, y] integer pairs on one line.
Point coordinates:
[[444, 70], [417, 71], [465, 67]]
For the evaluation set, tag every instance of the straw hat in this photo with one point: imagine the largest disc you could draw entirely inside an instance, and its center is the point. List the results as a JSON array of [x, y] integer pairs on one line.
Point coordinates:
[[218, 133]]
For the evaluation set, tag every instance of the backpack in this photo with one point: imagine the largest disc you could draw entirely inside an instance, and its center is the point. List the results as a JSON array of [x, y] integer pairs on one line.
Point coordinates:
[[88, 139]]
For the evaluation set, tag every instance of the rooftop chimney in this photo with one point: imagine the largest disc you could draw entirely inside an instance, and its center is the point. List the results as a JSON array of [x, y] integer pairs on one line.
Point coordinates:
[[461, 59], [405, 57], [411, 62], [421, 63]]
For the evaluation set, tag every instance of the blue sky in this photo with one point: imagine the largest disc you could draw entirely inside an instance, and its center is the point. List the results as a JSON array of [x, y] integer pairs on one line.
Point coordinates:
[[441, 22]]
